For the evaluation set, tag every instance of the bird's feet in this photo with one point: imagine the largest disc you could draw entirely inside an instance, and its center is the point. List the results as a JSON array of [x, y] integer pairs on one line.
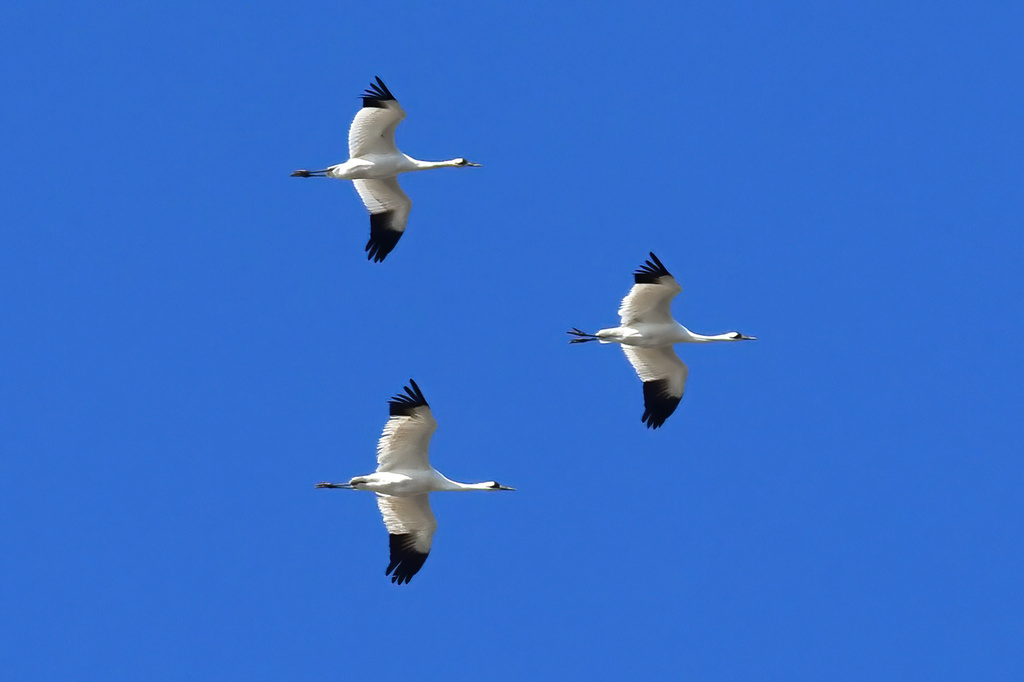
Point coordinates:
[[582, 336], [342, 486]]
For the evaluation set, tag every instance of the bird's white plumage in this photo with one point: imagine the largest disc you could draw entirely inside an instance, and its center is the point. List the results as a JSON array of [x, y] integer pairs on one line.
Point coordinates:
[[385, 196], [647, 332], [405, 443], [659, 364], [404, 480], [410, 515], [373, 164], [649, 303], [373, 130]]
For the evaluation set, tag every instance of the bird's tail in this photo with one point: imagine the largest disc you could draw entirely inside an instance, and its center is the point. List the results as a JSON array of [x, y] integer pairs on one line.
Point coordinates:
[[581, 336]]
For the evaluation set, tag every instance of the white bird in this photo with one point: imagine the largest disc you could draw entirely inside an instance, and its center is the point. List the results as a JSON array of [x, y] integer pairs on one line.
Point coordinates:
[[374, 165], [646, 332], [403, 481]]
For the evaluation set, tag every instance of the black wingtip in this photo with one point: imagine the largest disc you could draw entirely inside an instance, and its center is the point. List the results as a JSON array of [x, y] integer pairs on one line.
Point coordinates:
[[383, 239], [405, 561], [402, 404], [377, 94], [658, 403], [651, 271]]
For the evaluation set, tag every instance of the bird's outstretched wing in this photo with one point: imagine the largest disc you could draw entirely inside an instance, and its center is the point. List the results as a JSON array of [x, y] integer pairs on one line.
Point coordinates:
[[373, 128], [664, 376], [411, 525], [405, 443], [389, 210], [650, 299]]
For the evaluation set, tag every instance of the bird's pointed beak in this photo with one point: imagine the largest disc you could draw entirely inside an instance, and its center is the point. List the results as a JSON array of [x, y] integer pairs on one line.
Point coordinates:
[[506, 487], [747, 338], [470, 163]]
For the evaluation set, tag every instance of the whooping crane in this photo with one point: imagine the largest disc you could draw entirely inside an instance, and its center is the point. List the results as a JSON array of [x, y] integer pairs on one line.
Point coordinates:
[[373, 166], [646, 332], [403, 480]]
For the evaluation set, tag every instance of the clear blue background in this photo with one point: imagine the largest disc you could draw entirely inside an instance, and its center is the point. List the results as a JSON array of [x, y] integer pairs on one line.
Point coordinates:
[[190, 339]]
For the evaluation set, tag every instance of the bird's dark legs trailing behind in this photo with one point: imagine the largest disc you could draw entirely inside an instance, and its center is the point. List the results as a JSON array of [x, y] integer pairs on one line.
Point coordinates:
[[583, 337]]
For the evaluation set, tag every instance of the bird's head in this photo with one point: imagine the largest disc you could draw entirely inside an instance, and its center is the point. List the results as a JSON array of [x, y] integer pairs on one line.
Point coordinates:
[[465, 162], [736, 336], [494, 485]]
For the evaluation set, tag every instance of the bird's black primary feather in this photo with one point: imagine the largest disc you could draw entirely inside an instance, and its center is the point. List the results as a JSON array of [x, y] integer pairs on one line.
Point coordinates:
[[659, 404], [404, 403], [383, 237], [405, 560], [377, 94], [650, 271]]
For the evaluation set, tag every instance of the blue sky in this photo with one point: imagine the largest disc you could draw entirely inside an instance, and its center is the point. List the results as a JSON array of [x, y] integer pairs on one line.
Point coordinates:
[[191, 339]]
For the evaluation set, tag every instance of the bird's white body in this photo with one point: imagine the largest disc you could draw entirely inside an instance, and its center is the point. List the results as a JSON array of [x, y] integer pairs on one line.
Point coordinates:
[[411, 482], [655, 334], [375, 163], [383, 166], [647, 332], [403, 481]]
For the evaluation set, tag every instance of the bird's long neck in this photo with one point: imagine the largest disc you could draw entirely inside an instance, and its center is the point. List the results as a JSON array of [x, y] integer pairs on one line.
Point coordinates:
[[701, 338], [427, 165], [449, 484]]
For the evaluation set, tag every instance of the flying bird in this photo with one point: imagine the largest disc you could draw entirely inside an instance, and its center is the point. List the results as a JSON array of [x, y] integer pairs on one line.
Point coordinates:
[[374, 165], [403, 481], [646, 332]]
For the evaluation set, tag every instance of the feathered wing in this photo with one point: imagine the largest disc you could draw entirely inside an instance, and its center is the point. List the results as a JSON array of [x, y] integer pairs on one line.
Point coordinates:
[[405, 443], [664, 376], [650, 299], [373, 129], [389, 210], [411, 525]]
